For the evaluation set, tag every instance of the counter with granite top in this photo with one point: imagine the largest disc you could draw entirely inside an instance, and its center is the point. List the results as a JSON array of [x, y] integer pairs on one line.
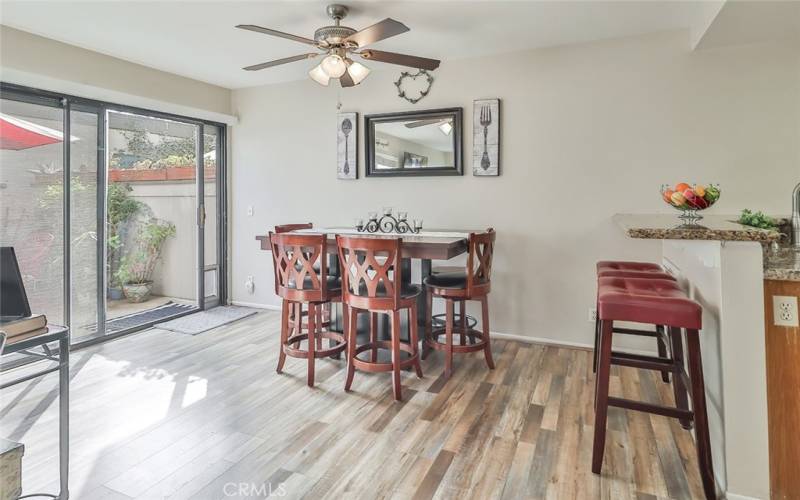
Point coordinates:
[[710, 227], [782, 265], [723, 265]]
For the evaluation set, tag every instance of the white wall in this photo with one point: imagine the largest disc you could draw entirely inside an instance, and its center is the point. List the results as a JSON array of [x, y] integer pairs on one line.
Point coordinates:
[[587, 131], [176, 202], [39, 62]]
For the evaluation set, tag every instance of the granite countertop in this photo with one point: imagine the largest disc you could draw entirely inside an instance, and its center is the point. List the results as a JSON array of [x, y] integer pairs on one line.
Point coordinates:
[[710, 227], [783, 264]]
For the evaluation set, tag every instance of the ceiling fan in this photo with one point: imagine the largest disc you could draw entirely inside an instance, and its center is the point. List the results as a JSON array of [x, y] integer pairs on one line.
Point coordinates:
[[338, 42]]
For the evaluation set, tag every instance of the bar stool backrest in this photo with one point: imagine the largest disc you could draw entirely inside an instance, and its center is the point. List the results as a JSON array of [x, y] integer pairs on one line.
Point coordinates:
[[479, 262], [293, 258], [371, 272], [288, 228]]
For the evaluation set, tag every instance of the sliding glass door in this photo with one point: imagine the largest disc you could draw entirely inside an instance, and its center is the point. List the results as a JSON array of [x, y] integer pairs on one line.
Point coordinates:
[[141, 212], [152, 230]]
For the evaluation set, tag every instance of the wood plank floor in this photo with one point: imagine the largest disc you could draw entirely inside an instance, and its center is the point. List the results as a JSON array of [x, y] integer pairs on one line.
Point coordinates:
[[163, 415]]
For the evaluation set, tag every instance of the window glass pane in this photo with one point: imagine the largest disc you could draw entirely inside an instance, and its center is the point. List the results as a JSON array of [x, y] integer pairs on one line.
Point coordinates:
[[31, 200], [210, 144], [83, 229]]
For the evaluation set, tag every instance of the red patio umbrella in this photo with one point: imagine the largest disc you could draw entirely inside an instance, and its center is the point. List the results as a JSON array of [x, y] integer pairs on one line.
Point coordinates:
[[19, 134]]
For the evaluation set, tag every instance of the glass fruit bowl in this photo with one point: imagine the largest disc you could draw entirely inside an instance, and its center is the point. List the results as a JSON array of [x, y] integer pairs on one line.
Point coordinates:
[[690, 199]]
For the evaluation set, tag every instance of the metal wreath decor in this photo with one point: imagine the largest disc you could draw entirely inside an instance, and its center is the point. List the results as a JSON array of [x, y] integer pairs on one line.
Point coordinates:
[[406, 75]]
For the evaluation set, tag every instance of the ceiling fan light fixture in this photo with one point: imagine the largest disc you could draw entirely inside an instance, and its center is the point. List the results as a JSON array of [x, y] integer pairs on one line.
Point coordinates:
[[357, 71], [446, 127], [319, 75], [333, 65]]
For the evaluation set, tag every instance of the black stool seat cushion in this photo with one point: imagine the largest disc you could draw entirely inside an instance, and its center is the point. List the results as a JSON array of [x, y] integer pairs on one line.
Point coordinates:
[[455, 280], [408, 291], [334, 283]]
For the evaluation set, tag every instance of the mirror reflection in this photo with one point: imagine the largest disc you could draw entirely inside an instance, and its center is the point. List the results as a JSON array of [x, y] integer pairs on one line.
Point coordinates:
[[419, 143], [424, 143]]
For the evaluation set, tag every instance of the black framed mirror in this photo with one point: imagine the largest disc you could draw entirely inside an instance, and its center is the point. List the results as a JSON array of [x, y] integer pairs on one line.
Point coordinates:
[[414, 143]]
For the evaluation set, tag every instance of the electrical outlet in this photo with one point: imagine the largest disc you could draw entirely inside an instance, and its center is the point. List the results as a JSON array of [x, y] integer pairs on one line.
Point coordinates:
[[250, 285], [784, 310], [250, 211], [592, 315]]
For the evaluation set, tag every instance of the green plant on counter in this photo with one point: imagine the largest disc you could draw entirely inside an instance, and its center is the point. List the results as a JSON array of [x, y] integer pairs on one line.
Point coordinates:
[[757, 219]]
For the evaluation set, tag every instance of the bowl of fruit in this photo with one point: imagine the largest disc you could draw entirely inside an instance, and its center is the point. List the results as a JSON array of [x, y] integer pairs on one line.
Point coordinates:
[[690, 199]]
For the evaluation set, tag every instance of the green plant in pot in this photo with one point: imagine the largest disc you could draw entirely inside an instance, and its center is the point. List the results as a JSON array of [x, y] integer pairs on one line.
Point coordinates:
[[136, 270], [121, 208]]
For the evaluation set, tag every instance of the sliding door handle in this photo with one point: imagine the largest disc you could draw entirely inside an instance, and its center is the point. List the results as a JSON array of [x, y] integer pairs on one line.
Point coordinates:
[[201, 215]]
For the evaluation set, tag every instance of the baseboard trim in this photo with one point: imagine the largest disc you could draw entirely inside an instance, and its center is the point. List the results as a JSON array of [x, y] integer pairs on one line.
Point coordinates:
[[734, 496], [255, 305], [560, 343], [497, 335], [541, 340]]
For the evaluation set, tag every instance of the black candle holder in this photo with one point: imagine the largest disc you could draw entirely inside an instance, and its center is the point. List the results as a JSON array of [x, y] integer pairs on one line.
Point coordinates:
[[388, 223]]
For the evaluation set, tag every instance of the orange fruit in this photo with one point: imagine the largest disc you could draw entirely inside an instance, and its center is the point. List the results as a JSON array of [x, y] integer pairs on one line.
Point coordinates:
[[681, 187], [668, 195]]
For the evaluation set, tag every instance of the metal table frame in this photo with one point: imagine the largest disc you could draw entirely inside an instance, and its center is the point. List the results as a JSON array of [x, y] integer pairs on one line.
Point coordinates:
[[58, 334]]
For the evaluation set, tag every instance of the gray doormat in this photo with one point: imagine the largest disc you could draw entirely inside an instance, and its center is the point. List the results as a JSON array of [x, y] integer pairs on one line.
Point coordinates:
[[203, 321], [132, 320]]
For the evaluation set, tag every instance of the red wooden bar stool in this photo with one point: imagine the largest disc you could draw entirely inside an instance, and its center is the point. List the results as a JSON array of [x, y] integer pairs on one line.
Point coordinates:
[[472, 283], [324, 314], [299, 284], [372, 283], [657, 302], [628, 269]]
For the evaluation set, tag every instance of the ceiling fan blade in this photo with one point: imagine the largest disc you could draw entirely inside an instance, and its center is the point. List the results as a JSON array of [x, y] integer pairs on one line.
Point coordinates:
[[277, 62], [422, 123], [346, 80], [267, 31], [378, 31], [401, 59]]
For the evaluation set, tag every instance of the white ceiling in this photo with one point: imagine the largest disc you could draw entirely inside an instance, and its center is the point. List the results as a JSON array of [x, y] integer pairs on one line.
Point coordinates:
[[198, 39]]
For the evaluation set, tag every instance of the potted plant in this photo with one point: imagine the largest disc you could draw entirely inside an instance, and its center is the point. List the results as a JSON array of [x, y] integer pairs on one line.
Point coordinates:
[[136, 271], [121, 207]]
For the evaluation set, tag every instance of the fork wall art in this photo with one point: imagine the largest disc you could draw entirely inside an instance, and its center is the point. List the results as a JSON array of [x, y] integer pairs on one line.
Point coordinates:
[[347, 146], [486, 137]]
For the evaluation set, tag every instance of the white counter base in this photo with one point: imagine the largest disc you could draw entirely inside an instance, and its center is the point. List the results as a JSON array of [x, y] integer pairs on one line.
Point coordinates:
[[726, 278]]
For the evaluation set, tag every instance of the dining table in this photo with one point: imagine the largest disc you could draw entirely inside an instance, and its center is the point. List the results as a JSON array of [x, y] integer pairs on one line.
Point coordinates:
[[424, 246]]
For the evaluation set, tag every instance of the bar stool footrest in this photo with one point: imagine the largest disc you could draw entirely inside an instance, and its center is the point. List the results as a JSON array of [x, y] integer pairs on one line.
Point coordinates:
[[296, 352], [439, 320], [665, 411], [642, 361], [437, 345], [635, 331], [376, 366]]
